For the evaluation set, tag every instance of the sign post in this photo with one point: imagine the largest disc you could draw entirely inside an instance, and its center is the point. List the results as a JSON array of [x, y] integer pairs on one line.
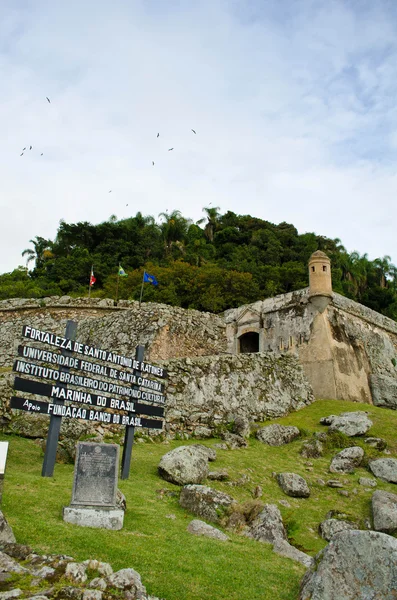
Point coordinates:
[[98, 387], [129, 430], [55, 421]]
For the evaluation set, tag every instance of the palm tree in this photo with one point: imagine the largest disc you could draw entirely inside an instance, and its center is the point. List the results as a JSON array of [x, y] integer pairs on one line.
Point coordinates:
[[40, 246], [173, 229], [383, 268], [211, 226]]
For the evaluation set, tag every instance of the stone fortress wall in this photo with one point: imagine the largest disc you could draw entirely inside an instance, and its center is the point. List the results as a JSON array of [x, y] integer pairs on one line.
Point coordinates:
[[208, 387], [347, 351], [261, 360]]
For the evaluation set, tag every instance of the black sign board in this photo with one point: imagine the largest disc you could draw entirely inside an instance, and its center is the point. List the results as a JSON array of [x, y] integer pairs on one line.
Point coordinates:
[[82, 397], [20, 366], [92, 404], [53, 358], [80, 412], [86, 350]]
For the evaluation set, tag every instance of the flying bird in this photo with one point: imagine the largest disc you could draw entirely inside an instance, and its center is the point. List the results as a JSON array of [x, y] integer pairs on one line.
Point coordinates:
[[48, 99], [169, 149], [193, 131], [42, 154], [126, 204], [21, 154], [158, 135], [152, 163], [23, 149], [109, 191], [30, 147]]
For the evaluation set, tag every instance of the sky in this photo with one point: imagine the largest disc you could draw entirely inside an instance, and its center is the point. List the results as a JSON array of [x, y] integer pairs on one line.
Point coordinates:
[[293, 103]]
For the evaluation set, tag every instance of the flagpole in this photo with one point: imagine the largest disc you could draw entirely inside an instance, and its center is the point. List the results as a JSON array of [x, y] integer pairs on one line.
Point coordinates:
[[117, 285], [143, 279], [89, 285]]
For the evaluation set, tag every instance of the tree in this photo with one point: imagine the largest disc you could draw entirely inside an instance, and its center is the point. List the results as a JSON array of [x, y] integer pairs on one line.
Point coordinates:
[[212, 222], [173, 229]]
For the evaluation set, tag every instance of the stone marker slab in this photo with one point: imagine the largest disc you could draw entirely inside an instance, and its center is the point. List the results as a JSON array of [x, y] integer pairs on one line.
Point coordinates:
[[95, 475], [94, 493], [3, 460], [3, 457], [94, 517]]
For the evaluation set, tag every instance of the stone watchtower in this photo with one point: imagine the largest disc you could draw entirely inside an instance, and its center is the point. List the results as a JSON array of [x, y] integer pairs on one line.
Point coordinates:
[[320, 283]]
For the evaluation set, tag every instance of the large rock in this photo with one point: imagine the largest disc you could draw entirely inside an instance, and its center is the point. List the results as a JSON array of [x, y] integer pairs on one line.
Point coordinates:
[[330, 527], [347, 460], [197, 527], [205, 502], [242, 426], [384, 390], [312, 449], [128, 579], [268, 525], [6, 533], [277, 435], [356, 565], [385, 469], [293, 485], [384, 511], [349, 423], [284, 548], [183, 465]]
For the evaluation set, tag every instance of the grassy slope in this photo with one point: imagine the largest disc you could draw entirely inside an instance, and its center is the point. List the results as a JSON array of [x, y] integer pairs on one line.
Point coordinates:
[[173, 563]]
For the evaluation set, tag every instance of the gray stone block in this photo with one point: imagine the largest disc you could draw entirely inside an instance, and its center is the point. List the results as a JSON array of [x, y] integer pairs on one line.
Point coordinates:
[[100, 518]]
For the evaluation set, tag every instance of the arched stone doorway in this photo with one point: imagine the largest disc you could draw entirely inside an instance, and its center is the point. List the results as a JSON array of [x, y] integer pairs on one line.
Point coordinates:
[[248, 342]]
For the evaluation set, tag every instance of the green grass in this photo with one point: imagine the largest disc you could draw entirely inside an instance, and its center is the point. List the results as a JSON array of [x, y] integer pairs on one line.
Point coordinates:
[[174, 564]]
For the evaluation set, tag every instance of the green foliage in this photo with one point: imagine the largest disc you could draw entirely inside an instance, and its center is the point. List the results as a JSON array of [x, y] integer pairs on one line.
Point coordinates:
[[220, 262]]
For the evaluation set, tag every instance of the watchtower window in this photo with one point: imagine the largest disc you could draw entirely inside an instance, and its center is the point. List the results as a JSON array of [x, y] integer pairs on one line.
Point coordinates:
[[249, 342], [324, 267], [291, 341], [313, 269], [281, 345]]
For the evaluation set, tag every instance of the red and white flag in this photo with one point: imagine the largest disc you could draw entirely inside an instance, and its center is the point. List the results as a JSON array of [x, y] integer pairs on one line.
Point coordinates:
[[92, 278]]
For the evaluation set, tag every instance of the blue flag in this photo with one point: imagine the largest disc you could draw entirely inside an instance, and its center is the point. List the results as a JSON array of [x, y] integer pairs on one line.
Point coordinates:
[[150, 278]]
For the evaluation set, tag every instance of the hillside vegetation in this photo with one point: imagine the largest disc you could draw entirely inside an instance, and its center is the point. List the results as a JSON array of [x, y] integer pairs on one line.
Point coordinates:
[[222, 261], [173, 563]]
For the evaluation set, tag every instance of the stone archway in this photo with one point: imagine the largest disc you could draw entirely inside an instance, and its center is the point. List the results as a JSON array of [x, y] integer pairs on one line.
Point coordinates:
[[248, 342]]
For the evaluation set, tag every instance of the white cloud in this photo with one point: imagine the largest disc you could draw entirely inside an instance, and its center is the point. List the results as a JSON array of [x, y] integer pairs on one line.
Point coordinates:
[[293, 108]]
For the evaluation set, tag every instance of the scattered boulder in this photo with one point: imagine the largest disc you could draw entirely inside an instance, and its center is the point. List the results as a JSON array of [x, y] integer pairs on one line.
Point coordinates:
[[10, 565], [284, 548], [6, 533], [183, 465], [312, 449], [234, 441], [293, 485], [334, 483], [128, 579], [355, 564], [197, 527], [205, 502], [277, 435], [378, 443], [385, 469], [210, 453], [268, 525], [349, 423], [384, 511], [221, 475], [330, 527], [367, 482], [76, 572], [347, 460], [242, 427]]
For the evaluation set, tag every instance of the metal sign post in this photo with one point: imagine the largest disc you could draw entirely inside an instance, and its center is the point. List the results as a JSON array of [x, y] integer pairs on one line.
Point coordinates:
[[129, 430], [55, 421]]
